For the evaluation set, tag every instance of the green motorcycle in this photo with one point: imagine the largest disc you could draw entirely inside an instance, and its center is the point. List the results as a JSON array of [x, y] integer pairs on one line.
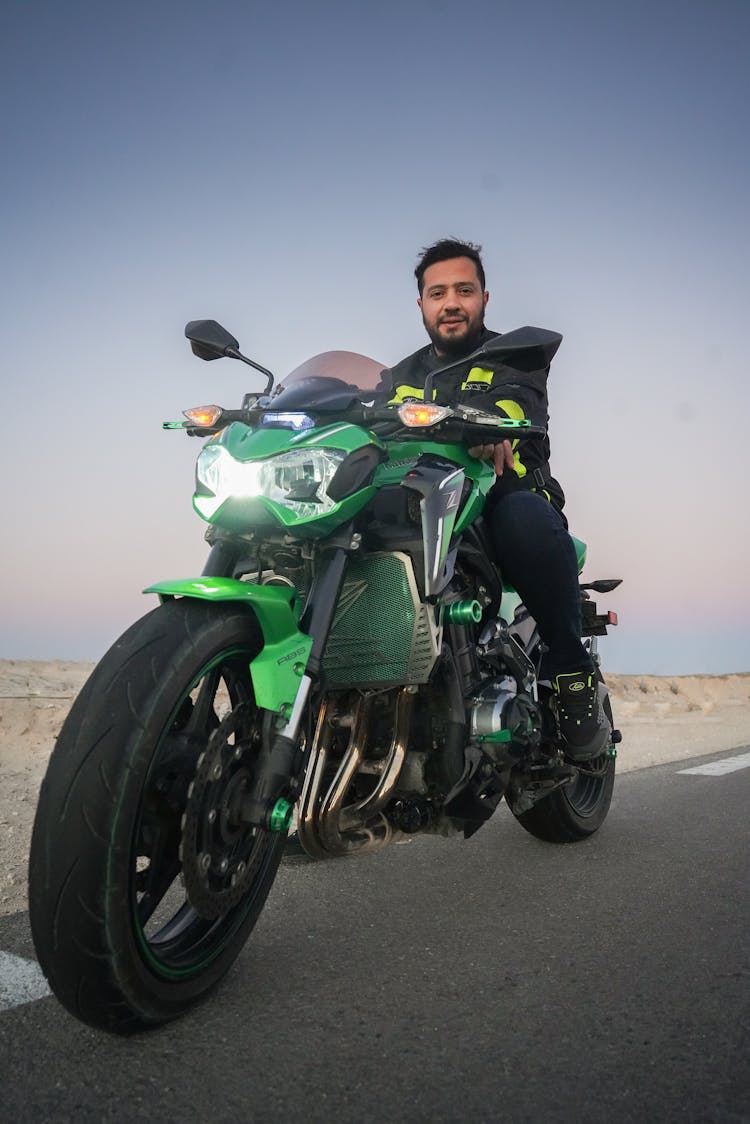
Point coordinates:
[[349, 654]]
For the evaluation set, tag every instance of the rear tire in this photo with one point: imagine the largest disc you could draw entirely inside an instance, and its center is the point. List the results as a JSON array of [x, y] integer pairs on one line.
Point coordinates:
[[579, 809], [135, 800]]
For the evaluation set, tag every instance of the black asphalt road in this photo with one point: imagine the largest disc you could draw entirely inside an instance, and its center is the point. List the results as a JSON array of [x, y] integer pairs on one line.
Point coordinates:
[[501, 979]]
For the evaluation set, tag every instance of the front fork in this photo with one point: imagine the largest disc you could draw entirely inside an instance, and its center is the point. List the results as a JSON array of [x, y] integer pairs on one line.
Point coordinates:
[[276, 782]]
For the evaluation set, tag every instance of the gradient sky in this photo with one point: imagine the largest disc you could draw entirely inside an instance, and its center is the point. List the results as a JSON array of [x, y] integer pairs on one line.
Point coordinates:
[[278, 167]]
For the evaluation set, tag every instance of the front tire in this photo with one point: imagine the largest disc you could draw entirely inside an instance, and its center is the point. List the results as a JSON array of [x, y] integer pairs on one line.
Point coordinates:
[[142, 887]]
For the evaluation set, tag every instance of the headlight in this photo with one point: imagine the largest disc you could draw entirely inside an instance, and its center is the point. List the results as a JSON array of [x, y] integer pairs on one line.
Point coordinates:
[[287, 420], [297, 480]]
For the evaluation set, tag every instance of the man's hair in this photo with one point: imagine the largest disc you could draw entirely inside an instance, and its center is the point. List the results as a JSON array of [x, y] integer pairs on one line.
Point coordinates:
[[444, 250]]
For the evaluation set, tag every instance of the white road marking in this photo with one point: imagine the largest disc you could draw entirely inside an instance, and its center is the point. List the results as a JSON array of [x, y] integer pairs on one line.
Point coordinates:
[[719, 768], [21, 981]]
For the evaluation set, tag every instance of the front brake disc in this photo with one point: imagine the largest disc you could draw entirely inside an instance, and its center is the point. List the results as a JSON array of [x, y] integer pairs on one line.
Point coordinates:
[[220, 858]]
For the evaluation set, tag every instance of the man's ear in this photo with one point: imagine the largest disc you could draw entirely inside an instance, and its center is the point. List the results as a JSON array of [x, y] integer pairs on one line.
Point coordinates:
[[486, 297], [419, 303]]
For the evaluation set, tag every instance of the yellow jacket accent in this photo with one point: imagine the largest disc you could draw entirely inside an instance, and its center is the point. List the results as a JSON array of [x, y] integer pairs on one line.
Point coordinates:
[[512, 410], [477, 376], [406, 393]]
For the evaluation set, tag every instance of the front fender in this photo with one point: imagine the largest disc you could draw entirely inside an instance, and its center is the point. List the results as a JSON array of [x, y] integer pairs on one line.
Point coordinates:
[[277, 669]]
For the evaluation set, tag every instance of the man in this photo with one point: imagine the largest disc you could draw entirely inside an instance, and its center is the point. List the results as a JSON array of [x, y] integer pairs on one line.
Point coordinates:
[[524, 515]]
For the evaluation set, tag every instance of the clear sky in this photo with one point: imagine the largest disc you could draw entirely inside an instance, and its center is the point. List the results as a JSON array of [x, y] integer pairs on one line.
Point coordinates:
[[277, 166]]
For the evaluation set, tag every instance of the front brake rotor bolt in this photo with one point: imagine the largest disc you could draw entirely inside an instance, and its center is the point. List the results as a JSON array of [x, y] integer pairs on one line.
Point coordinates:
[[216, 772], [212, 815], [204, 861], [223, 866]]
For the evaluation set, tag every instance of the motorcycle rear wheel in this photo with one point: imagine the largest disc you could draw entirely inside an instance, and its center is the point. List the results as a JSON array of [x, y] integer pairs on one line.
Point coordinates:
[[134, 809], [577, 810]]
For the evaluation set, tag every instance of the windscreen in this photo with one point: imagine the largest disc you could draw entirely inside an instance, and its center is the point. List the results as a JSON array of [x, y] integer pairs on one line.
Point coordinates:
[[352, 368]]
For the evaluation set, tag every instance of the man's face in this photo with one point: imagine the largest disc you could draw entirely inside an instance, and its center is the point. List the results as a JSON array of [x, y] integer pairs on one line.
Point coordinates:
[[452, 305]]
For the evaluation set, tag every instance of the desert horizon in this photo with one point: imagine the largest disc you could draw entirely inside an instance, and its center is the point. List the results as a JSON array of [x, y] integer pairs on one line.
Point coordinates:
[[662, 719]]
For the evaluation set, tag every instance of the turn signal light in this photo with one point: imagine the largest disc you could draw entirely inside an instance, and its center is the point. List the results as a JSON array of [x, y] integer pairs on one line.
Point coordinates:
[[417, 414], [204, 415], [612, 617]]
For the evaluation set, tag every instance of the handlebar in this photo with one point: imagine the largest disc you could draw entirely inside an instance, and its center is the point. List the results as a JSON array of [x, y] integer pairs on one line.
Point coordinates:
[[479, 428]]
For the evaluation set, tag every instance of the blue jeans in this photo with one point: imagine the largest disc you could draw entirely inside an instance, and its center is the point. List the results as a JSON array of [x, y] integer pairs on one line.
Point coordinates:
[[536, 555]]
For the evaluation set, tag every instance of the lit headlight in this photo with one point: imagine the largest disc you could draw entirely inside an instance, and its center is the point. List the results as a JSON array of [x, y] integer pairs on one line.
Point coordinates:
[[288, 420], [298, 480]]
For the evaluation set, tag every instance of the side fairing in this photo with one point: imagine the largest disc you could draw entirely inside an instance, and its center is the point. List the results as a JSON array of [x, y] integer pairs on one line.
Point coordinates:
[[439, 485], [404, 455]]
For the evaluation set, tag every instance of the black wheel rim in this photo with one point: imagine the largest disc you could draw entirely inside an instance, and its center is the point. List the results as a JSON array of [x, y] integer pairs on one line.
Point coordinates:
[[176, 940], [585, 793]]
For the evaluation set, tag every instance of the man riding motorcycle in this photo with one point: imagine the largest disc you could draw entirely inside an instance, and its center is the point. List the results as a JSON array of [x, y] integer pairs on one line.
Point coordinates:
[[528, 529]]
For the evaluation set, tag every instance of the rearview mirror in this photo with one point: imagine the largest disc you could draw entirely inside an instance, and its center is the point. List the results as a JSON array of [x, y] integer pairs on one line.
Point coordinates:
[[208, 340], [526, 349]]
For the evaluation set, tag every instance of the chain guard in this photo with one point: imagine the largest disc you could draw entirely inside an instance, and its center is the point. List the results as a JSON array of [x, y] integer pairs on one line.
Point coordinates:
[[219, 858]]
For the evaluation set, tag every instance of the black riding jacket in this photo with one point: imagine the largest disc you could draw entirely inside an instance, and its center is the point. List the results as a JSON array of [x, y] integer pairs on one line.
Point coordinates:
[[498, 389]]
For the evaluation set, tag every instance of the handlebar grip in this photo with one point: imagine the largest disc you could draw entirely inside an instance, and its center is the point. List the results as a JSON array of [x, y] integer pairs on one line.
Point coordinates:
[[518, 431]]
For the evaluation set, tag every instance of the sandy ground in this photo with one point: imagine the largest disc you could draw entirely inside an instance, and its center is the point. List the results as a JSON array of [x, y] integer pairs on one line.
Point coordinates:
[[662, 719]]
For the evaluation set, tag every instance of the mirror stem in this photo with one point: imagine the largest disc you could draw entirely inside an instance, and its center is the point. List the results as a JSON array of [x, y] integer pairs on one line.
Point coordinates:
[[233, 353]]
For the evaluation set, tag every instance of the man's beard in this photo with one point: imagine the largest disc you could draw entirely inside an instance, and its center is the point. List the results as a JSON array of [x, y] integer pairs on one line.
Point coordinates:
[[455, 348]]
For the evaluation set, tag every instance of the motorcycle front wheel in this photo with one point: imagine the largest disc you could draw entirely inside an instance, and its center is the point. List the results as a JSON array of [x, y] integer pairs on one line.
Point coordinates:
[[143, 886]]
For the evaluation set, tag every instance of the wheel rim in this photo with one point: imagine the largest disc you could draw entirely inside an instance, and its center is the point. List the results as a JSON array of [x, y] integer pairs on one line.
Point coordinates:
[[585, 793], [215, 715]]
